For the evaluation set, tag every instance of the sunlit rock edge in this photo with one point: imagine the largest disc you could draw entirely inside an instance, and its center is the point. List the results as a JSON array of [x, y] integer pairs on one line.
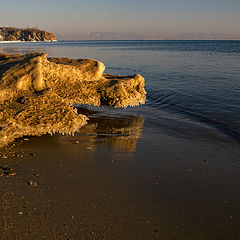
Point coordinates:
[[37, 93]]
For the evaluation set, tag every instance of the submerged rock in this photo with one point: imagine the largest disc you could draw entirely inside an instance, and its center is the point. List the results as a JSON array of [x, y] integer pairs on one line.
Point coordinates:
[[37, 93]]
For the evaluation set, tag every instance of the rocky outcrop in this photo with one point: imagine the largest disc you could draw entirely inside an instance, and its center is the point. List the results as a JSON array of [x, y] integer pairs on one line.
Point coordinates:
[[37, 93], [27, 34]]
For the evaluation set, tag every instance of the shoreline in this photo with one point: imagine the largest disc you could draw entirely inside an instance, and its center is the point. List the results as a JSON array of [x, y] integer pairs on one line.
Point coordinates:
[[27, 41]]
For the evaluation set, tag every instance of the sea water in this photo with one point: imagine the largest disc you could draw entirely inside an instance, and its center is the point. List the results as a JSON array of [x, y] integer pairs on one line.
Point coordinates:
[[193, 87]]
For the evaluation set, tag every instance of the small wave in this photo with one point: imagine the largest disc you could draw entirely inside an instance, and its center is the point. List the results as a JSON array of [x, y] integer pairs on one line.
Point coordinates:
[[198, 110]]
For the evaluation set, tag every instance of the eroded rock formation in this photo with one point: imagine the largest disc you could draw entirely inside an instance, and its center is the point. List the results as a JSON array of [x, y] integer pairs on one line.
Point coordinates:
[[37, 93], [27, 34]]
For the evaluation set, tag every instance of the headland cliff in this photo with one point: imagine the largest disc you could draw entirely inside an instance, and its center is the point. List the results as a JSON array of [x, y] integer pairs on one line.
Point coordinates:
[[26, 34]]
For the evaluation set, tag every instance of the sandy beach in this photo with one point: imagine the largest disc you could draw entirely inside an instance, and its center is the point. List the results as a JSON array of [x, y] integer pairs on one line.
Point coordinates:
[[91, 186]]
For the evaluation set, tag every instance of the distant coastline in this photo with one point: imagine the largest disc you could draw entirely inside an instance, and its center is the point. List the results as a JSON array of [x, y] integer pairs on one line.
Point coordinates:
[[19, 41], [145, 36], [121, 40], [12, 34]]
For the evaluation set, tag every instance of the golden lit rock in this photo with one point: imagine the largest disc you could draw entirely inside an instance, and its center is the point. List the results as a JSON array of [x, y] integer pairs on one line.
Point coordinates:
[[37, 93]]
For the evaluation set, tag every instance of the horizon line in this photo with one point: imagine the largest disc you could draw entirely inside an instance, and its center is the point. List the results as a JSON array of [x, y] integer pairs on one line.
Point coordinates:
[[64, 40]]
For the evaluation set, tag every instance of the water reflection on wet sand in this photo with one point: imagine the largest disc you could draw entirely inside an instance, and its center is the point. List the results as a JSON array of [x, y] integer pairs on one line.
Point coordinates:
[[116, 133]]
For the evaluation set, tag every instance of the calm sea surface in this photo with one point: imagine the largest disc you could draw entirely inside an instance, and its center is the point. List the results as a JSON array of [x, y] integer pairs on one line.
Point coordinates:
[[193, 86]]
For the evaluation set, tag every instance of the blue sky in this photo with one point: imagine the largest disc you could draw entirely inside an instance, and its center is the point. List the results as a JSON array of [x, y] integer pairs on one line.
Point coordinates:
[[134, 16]]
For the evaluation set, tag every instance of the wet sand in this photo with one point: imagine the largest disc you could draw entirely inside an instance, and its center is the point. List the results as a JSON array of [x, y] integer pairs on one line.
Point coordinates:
[[117, 179]]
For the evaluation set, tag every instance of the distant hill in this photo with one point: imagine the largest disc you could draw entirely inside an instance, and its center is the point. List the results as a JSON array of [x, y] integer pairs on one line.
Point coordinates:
[[26, 34], [146, 36]]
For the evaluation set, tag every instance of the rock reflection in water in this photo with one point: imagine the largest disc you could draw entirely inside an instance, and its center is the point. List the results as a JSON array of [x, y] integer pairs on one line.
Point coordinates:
[[119, 134]]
